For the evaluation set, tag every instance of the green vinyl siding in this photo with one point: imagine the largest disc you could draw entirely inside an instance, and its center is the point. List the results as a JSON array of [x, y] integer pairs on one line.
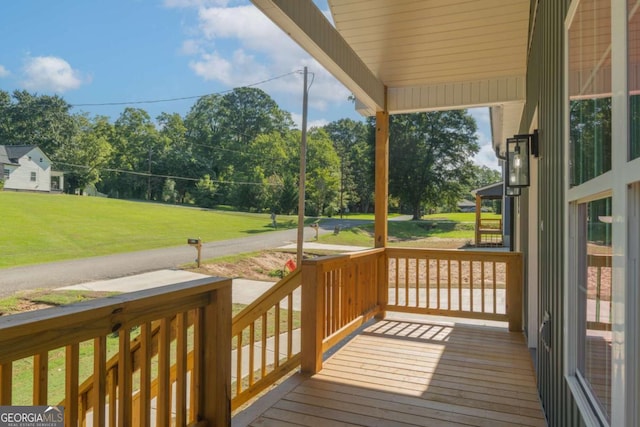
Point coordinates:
[[545, 93]]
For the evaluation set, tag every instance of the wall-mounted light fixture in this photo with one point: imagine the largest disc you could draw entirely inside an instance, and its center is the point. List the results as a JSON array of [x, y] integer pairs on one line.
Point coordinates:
[[511, 191], [518, 150]]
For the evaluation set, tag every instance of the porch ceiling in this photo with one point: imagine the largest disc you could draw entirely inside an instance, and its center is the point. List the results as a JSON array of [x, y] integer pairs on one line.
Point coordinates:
[[429, 54], [439, 54]]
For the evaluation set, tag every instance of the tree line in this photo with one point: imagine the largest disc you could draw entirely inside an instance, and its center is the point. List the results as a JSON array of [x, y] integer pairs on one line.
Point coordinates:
[[241, 149]]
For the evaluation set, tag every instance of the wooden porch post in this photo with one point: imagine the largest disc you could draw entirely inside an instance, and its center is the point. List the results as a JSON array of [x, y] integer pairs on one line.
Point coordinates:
[[312, 318], [215, 395], [382, 178], [382, 204], [514, 292]]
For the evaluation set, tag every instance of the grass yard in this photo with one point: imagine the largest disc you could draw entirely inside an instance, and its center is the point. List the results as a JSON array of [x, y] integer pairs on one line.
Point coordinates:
[[39, 228], [459, 226]]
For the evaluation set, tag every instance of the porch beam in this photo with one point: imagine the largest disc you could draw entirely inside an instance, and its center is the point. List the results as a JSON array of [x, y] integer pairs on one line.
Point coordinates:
[[456, 95], [306, 25], [382, 179]]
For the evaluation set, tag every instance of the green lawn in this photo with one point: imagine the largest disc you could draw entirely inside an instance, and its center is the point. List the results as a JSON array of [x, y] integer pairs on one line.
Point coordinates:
[[39, 228], [443, 225]]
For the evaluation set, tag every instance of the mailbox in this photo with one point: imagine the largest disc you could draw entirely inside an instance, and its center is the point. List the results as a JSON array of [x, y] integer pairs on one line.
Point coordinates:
[[194, 242]]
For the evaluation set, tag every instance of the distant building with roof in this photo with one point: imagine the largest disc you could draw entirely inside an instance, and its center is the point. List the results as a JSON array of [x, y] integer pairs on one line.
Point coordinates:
[[27, 168]]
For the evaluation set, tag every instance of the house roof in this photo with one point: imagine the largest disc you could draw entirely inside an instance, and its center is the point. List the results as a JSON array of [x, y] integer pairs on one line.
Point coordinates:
[[491, 190], [428, 55], [466, 203], [10, 154]]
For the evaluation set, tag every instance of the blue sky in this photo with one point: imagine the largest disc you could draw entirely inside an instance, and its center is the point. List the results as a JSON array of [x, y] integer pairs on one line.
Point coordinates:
[[93, 52]]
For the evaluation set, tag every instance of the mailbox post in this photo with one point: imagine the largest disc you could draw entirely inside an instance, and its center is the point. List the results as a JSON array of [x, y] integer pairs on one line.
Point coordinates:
[[198, 245], [315, 228]]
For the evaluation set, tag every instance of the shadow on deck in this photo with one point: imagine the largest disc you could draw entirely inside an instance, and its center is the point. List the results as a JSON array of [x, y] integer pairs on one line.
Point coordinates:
[[398, 372]]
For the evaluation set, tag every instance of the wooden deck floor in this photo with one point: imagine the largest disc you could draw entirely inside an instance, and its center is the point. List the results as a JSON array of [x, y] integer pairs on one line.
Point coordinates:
[[399, 373]]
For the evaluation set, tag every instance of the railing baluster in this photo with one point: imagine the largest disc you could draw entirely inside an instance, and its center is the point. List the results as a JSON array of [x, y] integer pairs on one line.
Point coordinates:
[[181, 370], [239, 346], [276, 336], [252, 342], [6, 374], [418, 282], [196, 372], [460, 285], [495, 286], [72, 362], [40, 378], [99, 386], [263, 365], [124, 378], [397, 283], [163, 402], [428, 281], [438, 281], [112, 382], [482, 278], [471, 309], [449, 284], [145, 375], [289, 325], [406, 281]]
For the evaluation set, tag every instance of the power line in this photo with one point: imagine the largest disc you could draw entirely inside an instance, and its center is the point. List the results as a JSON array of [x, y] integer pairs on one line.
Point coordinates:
[[153, 175], [183, 98]]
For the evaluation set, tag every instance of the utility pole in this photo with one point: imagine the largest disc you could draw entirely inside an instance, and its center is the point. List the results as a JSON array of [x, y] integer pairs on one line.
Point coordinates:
[[303, 170], [149, 176]]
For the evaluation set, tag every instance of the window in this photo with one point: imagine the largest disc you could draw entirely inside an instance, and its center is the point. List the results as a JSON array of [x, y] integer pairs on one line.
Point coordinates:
[[6, 173], [33, 176], [591, 205], [633, 10], [594, 300], [590, 90]]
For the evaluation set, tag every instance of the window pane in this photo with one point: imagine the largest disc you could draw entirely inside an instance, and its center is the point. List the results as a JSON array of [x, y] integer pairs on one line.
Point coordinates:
[[634, 76], [594, 299], [590, 90]]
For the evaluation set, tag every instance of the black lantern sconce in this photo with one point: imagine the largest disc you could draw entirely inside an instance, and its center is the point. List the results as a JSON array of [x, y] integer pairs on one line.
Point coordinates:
[[511, 191], [518, 150]]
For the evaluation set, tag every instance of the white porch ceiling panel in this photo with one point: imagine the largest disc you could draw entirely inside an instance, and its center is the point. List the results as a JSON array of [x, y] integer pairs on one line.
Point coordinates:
[[428, 54]]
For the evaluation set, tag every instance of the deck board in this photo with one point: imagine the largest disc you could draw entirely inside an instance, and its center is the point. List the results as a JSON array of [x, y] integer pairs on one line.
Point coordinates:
[[420, 373]]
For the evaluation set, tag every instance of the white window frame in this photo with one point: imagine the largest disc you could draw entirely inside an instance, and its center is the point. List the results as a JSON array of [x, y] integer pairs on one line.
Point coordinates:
[[621, 183]]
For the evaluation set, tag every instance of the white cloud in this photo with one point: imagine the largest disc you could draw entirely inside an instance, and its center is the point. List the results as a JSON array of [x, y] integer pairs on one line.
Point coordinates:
[[50, 73], [194, 3], [190, 47], [260, 51], [3, 71], [486, 156], [297, 119]]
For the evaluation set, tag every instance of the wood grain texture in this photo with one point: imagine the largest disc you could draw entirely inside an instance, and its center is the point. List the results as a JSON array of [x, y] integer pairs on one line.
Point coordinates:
[[419, 372]]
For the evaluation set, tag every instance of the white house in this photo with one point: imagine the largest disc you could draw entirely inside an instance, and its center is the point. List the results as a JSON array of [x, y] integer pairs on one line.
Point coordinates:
[[26, 167]]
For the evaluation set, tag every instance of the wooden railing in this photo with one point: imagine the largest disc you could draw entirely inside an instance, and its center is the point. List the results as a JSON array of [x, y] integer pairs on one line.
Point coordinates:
[[339, 294], [489, 231], [473, 284], [195, 391], [174, 344], [599, 279], [267, 339]]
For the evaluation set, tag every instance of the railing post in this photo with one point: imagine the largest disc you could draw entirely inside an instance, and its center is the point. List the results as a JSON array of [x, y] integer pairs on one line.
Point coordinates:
[[312, 318], [514, 292], [216, 382], [382, 284]]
